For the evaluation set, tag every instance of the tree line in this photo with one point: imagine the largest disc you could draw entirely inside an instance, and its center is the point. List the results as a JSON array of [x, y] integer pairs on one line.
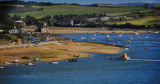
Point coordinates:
[[19, 2]]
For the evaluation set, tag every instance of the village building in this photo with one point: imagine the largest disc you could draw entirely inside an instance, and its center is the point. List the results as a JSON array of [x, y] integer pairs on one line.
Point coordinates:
[[93, 19], [69, 23], [1, 31], [16, 31], [20, 22]]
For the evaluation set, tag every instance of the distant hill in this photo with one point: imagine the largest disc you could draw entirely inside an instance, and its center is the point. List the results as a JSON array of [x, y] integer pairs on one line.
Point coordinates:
[[137, 4]]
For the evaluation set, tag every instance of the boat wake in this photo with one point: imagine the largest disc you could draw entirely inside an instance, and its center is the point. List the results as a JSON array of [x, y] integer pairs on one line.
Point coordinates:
[[145, 60]]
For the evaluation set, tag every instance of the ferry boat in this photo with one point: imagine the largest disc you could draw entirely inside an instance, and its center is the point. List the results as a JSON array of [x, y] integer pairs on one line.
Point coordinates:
[[124, 57]]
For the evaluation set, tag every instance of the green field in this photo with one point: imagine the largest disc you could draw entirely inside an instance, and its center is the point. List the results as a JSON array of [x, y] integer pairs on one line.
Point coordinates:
[[150, 20], [74, 9]]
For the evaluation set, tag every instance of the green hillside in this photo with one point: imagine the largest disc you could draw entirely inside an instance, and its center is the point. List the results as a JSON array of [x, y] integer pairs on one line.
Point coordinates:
[[74, 9], [150, 20]]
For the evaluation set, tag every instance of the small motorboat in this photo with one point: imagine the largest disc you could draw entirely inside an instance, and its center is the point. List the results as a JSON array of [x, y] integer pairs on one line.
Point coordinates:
[[82, 38], [117, 41], [130, 38], [127, 48], [72, 60], [120, 35], [30, 64], [129, 41], [36, 59], [149, 31], [15, 61], [146, 37], [1, 67], [76, 56], [156, 32], [124, 57], [136, 33], [124, 43], [93, 39], [54, 62], [6, 62]]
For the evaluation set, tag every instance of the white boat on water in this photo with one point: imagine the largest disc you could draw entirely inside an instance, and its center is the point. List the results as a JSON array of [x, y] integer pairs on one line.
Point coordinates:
[[54, 62], [146, 37], [129, 41], [156, 32], [6, 62], [92, 38], [1, 67], [15, 61], [117, 41], [130, 38], [126, 48], [136, 33], [82, 38], [30, 64], [120, 35]]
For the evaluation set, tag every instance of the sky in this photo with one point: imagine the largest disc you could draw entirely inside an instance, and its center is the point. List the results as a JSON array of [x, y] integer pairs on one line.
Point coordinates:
[[97, 1]]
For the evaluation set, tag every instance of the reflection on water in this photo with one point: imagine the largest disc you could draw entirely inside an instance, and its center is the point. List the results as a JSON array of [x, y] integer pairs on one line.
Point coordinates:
[[143, 68]]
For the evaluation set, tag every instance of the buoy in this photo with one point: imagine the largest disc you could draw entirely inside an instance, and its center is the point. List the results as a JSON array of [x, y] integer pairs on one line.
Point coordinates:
[[23, 65], [47, 62]]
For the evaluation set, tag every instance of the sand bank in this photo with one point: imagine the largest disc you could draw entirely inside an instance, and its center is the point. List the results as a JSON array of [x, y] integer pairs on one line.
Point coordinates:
[[56, 52], [66, 30]]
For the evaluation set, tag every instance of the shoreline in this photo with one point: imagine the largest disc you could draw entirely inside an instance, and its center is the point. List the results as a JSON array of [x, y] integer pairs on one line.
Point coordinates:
[[80, 30], [53, 52]]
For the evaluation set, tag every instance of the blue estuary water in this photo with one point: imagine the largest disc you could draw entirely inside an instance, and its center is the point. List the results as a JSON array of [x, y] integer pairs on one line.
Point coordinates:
[[143, 68]]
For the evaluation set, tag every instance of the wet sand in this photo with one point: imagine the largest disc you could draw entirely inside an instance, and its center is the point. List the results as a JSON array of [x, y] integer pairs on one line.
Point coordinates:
[[56, 52]]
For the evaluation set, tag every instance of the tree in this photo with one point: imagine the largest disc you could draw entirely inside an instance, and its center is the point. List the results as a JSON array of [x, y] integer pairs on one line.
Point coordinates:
[[30, 20]]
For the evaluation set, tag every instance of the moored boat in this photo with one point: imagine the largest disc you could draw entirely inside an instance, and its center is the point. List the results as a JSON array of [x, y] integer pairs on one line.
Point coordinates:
[[93, 39], [30, 64], [124, 57], [54, 62], [15, 61], [1, 67], [72, 60]]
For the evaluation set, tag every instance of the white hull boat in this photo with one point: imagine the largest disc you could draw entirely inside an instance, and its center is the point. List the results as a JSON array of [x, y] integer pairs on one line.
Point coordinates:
[[54, 62], [30, 64]]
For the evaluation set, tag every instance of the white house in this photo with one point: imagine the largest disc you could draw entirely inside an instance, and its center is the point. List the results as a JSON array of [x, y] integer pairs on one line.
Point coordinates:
[[20, 22], [93, 19], [14, 31], [1, 31]]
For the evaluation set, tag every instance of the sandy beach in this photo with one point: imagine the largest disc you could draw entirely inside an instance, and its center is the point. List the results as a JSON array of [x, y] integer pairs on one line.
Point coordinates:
[[65, 30], [56, 52]]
